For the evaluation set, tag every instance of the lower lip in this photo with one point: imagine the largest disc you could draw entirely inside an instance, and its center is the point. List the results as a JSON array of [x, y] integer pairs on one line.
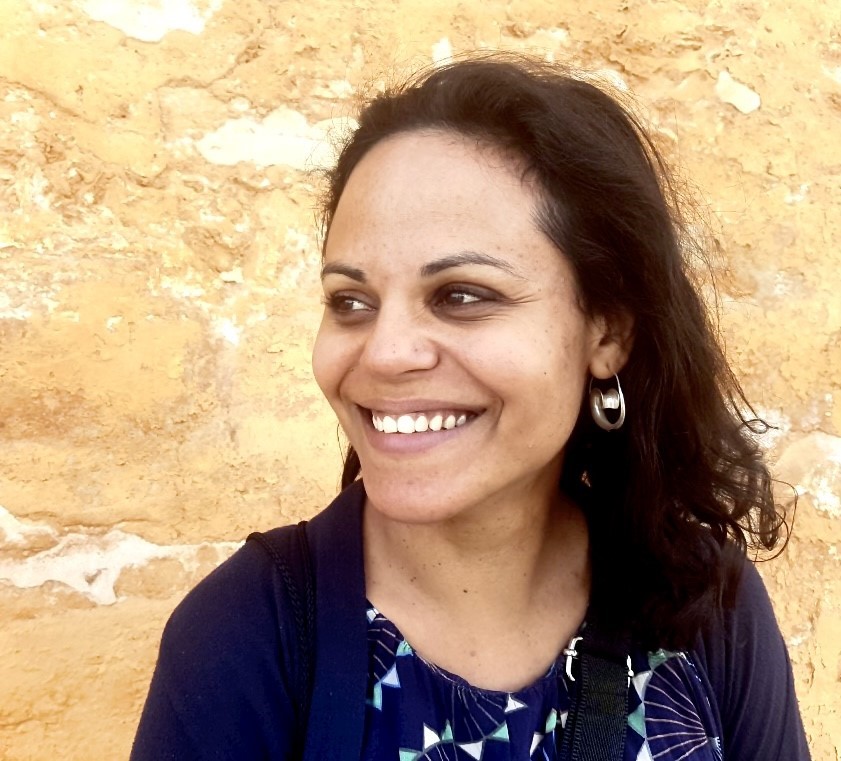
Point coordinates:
[[409, 443]]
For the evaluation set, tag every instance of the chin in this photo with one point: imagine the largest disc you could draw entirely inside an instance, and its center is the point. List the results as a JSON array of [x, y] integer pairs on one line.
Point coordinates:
[[412, 502]]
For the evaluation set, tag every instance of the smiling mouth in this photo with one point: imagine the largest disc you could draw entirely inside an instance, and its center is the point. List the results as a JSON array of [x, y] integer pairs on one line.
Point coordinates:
[[420, 422]]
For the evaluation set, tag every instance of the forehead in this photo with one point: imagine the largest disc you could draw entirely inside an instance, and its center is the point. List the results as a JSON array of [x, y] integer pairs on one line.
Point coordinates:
[[435, 189]]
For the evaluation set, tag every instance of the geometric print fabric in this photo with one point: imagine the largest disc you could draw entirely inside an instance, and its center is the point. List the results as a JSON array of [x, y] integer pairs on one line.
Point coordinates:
[[416, 711]]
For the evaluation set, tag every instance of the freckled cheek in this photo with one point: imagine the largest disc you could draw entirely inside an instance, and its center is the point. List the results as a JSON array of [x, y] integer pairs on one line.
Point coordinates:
[[523, 358], [555, 377]]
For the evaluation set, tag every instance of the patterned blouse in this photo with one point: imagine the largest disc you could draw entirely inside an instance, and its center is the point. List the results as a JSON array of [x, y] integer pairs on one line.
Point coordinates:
[[417, 711]]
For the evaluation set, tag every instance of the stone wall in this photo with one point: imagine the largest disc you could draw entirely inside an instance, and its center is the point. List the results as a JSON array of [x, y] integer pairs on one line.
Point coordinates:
[[158, 167]]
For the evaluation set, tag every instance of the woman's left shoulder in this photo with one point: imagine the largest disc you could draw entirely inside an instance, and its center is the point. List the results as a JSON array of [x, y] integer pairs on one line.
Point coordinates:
[[743, 658], [746, 626]]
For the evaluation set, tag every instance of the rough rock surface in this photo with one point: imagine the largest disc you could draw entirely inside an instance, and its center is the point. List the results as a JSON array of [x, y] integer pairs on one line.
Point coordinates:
[[158, 299]]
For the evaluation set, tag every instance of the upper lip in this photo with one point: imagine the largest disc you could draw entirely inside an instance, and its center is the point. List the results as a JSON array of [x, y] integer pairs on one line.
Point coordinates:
[[407, 406]]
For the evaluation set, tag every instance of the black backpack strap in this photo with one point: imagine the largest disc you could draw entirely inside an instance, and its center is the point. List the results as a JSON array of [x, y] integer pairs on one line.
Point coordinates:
[[289, 549], [599, 666]]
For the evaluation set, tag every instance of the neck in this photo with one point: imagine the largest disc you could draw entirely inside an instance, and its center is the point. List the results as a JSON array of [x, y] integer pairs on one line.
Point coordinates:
[[498, 562]]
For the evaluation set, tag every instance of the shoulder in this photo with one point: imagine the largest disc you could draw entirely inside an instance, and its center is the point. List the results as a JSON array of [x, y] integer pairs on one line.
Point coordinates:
[[743, 631], [242, 612], [229, 668], [744, 658], [221, 683], [237, 602], [246, 598]]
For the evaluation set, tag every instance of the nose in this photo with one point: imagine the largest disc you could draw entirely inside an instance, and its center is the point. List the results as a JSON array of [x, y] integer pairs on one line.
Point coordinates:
[[398, 342]]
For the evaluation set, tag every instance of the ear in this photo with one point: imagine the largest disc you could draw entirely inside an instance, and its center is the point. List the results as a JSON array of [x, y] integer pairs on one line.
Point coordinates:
[[613, 340]]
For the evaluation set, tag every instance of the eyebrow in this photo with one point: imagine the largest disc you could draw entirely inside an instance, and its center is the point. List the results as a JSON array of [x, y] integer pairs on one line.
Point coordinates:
[[337, 268], [461, 259]]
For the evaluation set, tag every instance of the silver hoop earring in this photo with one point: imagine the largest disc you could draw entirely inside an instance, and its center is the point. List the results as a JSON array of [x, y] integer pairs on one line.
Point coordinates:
[[612, 399]]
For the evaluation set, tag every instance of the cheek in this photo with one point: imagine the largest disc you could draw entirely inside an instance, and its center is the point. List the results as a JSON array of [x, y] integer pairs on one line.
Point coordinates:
[[327, 362], [543, 356], [545, 376]]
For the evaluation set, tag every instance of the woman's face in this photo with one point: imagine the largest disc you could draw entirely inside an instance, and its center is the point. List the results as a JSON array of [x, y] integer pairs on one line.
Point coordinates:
[[452, 347]]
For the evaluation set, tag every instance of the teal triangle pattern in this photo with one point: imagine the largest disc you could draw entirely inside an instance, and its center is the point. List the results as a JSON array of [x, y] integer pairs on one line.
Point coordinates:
[[658, 657], [404, 648], [409, 755], [500, 733], [636, 720]]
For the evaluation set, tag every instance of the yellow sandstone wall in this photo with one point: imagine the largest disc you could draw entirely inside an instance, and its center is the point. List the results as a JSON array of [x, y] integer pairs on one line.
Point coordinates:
[[158, 296]]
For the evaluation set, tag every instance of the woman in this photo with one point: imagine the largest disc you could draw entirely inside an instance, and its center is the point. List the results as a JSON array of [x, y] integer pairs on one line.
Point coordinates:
[[531, 558]]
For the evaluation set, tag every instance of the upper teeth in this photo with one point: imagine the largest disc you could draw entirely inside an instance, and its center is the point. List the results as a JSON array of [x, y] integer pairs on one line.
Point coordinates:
[[418, 422]]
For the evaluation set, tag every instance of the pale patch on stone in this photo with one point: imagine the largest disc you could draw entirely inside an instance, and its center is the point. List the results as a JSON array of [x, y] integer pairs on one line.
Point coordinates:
[[306, 259], [833, 73], [181, 289], [813, 464], [41, 8], [296, 241], [239, 104], [799, 195], [782, 285], [92, 564], [151, 21], [736, 94], [553, 34], [209, 217], [232, 276], [17, 95], [7, 239], [335, 88], [225, 328], [28, 121], [20, 299], [803, 634], [442, 51], [9, 312], [34, 191], [17, 532], [283, 138], [259, 315]]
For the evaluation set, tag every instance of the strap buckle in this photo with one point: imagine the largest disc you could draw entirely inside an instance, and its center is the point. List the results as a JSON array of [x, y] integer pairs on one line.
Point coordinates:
[[571, 653]]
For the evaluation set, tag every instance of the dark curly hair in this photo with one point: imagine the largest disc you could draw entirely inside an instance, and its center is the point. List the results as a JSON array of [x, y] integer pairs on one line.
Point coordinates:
[[676, 496]]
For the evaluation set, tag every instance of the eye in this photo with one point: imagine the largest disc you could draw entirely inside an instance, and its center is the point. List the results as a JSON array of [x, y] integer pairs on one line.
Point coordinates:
[[456, 296], [345, 304]]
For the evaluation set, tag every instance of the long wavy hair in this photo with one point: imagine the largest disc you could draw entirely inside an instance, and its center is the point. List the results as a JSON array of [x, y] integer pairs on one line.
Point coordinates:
[[677, 495]]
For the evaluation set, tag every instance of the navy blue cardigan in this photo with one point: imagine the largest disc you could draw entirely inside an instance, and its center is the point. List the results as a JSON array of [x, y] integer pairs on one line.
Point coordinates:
[[221, 688]]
